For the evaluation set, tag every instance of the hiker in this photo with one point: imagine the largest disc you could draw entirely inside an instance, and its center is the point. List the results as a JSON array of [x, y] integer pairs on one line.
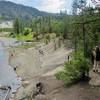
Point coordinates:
[[96, 59]]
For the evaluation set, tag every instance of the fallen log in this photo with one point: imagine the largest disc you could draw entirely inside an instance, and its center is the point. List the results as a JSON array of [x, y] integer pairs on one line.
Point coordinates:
[[5, 87]]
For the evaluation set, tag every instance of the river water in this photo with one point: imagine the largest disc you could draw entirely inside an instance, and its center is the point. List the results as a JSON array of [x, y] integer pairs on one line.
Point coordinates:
[[7, 75]]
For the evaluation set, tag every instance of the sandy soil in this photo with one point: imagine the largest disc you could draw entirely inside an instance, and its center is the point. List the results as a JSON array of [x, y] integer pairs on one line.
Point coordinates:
[[34, 67], [31, 65], [57, 91]]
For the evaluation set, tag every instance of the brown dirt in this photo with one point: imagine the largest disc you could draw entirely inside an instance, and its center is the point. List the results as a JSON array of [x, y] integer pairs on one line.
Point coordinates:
[[54, 89]]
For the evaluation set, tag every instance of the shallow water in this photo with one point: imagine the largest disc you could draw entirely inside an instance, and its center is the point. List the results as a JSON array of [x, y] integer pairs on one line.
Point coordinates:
[[7, 75]]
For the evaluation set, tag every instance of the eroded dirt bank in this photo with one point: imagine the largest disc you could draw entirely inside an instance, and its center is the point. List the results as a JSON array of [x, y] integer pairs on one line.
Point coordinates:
[[34, 67], [30, 64]]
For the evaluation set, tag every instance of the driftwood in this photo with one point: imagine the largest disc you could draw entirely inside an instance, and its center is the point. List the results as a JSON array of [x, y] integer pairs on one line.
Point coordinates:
[[5, 87]]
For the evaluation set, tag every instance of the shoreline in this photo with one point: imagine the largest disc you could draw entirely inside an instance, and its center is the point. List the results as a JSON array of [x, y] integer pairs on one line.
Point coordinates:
[[8, 75], [54, 89], [24, 81], [30, 71]]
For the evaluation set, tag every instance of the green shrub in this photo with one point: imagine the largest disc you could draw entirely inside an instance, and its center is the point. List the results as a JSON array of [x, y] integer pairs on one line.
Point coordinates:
[[75, 69], [27, 31], [12, 35], [35, 35], [47, 37]]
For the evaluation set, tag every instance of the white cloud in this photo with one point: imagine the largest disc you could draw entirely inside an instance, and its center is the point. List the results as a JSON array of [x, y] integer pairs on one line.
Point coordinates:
[[52, 5]]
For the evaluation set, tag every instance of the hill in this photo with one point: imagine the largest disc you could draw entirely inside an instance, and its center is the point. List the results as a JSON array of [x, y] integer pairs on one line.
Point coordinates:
[[10, 10]]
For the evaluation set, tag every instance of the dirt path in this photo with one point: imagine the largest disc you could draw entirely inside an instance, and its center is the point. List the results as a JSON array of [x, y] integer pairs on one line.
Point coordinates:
[[55, 89], [80, 91], [95, 78]]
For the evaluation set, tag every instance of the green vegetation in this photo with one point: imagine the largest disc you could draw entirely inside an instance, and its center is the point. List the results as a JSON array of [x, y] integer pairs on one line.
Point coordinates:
[[28, 37], [85, 34], [74, 70], [10, 10], [27, 31], [82, 29], [16, 25], [6, 29]]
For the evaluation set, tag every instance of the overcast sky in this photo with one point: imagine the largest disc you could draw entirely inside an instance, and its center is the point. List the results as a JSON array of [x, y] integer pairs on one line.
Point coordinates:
[[52, 6]]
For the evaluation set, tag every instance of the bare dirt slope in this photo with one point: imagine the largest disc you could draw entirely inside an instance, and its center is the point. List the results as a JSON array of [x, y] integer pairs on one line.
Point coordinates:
[[35, 67], [56, 90], [31, 65], [79, 91]]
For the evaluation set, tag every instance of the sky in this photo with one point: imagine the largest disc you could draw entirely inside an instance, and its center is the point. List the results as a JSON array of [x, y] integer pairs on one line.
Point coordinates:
[[52, 6]]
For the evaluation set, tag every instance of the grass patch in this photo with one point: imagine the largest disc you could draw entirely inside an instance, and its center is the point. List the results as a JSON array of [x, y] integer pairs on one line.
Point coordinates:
[[21, 37]]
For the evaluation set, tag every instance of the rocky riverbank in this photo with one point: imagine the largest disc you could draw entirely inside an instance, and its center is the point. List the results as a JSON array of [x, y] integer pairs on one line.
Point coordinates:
[[34, 67], [30, 64]]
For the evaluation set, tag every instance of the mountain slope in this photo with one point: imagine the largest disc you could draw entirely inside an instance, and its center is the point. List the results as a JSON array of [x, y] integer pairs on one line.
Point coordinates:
[[9, 10]]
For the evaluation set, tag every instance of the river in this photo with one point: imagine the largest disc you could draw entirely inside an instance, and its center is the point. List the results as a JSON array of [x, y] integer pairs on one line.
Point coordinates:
[[7, 75]]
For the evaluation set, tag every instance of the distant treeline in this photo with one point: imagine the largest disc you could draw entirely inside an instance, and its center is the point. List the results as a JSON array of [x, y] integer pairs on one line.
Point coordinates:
[[6, 29]]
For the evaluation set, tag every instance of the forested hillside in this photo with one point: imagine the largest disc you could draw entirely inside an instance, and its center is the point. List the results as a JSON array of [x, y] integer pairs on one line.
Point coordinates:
[[9, 10]]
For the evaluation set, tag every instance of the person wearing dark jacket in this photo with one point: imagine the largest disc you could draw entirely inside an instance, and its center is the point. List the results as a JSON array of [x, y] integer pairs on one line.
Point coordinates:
[[97, 58]]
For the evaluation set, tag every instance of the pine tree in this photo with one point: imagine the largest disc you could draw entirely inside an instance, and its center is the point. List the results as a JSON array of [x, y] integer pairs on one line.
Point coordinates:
[[16, 25]]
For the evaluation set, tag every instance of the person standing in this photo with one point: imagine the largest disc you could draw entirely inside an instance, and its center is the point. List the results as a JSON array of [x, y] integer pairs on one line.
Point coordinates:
[[97, 58]]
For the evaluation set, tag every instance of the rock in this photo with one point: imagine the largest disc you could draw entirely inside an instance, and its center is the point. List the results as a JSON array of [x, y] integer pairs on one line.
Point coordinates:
[[25, 83], [95, 78]]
